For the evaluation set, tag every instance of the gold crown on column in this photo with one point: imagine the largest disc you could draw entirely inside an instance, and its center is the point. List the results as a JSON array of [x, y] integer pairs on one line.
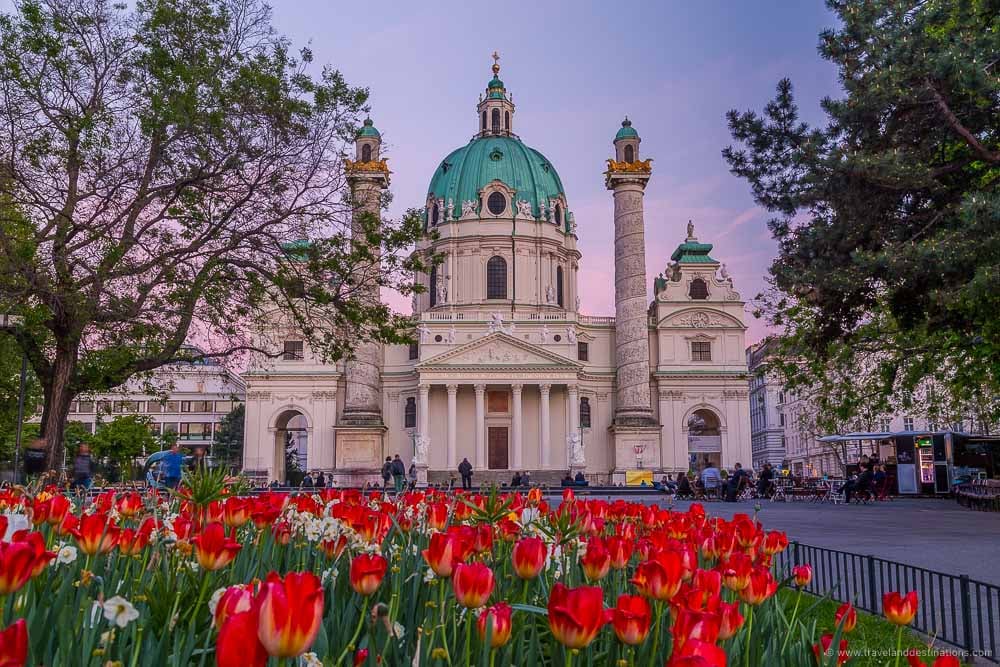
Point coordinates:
[[638, 166], [372, 165]]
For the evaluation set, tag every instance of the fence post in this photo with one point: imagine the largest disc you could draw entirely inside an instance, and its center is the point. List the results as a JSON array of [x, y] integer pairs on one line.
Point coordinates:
[[963, 582], [872, 594], [795, 555]]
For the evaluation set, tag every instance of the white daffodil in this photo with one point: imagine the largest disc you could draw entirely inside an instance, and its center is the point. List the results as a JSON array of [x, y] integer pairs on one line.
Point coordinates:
[[66, 554], [119, 611], [213, 602], [311, 660]]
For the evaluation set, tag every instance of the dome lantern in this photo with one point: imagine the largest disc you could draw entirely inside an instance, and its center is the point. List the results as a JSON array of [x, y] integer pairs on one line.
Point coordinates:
[[496, 110]]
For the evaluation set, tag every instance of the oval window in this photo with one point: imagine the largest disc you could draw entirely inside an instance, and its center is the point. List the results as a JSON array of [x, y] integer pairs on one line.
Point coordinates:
[[496, 203]]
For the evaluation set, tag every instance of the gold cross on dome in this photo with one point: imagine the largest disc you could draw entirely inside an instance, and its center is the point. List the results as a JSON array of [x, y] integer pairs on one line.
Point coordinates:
[[496, 58]]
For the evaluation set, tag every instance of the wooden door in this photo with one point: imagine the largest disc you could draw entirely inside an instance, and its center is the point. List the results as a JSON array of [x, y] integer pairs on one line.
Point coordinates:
[[497, 445]]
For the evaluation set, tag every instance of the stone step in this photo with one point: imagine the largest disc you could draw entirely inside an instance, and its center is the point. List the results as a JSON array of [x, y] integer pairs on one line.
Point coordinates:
[[499, 477]]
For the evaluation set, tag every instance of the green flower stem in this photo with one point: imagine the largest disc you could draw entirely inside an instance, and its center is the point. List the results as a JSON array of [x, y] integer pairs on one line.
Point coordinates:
[[899, 644], [657, 612], [746, 649], [357, 631], [791, 624], [468, 638]]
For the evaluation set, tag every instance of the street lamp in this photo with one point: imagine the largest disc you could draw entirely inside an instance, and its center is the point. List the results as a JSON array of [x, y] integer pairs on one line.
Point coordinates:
[[7, 322]]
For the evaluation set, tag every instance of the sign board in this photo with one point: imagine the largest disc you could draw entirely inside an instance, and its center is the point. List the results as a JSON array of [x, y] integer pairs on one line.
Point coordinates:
[[906, 476], [637, 477], [704, 444]]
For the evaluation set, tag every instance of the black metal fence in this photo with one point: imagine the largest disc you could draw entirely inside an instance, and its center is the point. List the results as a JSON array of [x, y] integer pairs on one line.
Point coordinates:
[[953, 608]]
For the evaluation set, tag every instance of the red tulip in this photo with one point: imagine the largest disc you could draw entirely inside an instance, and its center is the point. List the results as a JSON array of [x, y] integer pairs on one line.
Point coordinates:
[[443, 553], [534, 496], [730, 619], [761, 586], [703, 626], [236, 600], [576, 615], [620, 549], [238, 644], [900, 610], [736, 572], [846, 612], [437, 516], [96, 534], [472, 584], [944, 660], [132, 541], [631, 619], [696, 653], [214, 549], [528, 557], [774, 542], [129, 504], [822, 650], [236, 511], [360, 656], [802, 574], [660, 577], [483, 541], [596, 562], [568, 496], [41, 557], [17, 563], [367, 572], [333, 548], [498, 618], [708, 581], [14, 644], [290, 612]]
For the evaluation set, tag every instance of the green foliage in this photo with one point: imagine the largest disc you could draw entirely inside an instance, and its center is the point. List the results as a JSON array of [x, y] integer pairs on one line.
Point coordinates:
[[10, 383], [123, 439], [226, 152], [887, 219], [227, 447], [74, 435]]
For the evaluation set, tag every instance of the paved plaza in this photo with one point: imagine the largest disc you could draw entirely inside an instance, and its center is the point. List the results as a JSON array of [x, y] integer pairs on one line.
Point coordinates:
[[935, 534]]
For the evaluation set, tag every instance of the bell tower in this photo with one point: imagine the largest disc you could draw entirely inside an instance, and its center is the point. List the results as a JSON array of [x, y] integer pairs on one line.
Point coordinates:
[[496, 110], [634, 427]]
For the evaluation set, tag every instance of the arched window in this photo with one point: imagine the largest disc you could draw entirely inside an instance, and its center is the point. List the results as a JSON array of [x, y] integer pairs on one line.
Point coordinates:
[[433, 286], [559, 286], [506, 120], [585, 412], [484, 121], [435, 214], [366, 153], [496, 121], [557, 217], [496, 203], [410, 413], [496, 278], [629, 153], [698, 289]]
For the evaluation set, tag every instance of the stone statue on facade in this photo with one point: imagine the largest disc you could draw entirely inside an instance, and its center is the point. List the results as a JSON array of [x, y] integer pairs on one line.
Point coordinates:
[[425, 333], [421, 444], [571, 335], [545, 333], [442, 290], [524, 208], [440, 203], [450, 210], [690, 229], [496, 322], [552, 209], [550, 294], [724, 273], [577, 303], [414, 302], [468, 208], [541, 209], [575, 445], [450, 338]]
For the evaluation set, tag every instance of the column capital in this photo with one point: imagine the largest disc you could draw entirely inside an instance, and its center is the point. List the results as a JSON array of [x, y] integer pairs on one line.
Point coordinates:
[[516, 388], [424, 388], [452, 389], [544, 388], [480, 388]]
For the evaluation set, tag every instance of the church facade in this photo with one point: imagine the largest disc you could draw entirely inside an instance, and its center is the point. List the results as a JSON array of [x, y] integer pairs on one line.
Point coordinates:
[[507, 372]]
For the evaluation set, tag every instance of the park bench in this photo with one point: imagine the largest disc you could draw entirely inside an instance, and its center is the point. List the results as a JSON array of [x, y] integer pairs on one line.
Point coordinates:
[[980, 494]]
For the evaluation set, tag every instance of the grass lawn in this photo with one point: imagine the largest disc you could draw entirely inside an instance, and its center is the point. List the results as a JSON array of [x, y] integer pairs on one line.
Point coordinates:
[[872, 633]]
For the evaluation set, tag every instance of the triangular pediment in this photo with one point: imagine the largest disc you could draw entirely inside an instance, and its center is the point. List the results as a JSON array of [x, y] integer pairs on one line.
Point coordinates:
[[499, 349]]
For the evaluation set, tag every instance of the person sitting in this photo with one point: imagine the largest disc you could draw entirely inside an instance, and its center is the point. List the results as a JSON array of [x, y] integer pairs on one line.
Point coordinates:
[[525, 478], [567, 480], [765, 481], [307, 481], [711, 479], [643, 483], [860, 484], [580, 479], [516, 480], [683, 486], [737, 481], [320, 480]]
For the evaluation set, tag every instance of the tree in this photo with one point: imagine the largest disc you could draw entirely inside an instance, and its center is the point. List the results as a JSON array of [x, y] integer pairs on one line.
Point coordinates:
[[173, 170], [10, 384], [887, 219], [228, 439], [123, 439]]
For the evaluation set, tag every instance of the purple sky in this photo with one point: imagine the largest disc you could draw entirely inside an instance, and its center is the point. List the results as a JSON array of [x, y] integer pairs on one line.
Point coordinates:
[[575, 69]]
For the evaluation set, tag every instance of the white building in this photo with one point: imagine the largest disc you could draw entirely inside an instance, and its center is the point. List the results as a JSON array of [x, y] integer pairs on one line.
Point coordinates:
[[767, 420], [186, 399], [508, 372]]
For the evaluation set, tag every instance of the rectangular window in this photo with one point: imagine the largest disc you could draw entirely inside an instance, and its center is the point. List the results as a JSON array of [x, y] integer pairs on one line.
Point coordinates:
[[907, 423], [781, 418], [194, 431], [701, 351], [781, 397], [156, 428], [196, 406], [496, 402], [169, 428], [85, 407], [104, 407], [583, 351], [294, 350], [127, 407], [74, 407], [154, 407], [414, 351], [224, 406]]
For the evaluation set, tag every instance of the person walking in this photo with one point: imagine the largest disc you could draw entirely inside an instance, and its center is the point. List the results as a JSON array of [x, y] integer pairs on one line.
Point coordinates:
[[465, 470], [170, 468], [83, 469], [386, 472], [398, 473], [413, 476]]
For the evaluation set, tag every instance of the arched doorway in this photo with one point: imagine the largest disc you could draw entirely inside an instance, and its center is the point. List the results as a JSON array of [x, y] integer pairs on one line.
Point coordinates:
[[704, 439], [291, 446]]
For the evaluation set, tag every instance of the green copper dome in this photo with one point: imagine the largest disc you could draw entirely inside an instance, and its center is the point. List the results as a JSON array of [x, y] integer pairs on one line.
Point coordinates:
[[466, 171], [627, 131], [368, 129]]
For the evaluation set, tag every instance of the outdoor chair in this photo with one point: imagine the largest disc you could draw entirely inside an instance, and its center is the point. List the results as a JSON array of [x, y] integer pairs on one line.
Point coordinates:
[[882, 493]]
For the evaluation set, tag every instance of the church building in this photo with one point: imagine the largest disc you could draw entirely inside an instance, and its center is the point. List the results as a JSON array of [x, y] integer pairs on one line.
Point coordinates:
[[507, 372]]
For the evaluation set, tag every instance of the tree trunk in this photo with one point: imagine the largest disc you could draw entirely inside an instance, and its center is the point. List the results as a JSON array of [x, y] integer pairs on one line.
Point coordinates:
[[59, 394]]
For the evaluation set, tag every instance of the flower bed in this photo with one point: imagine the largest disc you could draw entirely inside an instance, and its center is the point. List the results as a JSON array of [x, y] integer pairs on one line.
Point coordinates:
[[341, 578]]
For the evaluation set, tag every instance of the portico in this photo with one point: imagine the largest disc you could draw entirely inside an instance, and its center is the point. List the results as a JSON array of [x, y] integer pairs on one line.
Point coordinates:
[[516, 393]]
